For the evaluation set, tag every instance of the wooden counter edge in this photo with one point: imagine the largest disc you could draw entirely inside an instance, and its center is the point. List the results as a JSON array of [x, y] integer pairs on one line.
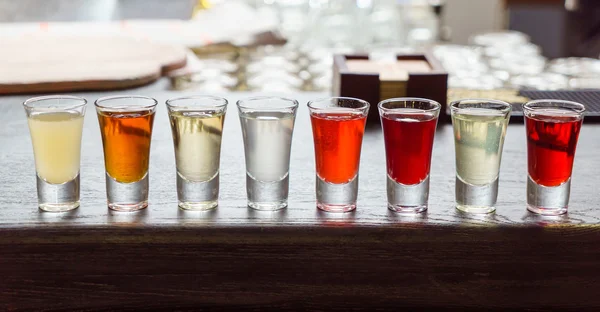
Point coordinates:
[[304, 267]]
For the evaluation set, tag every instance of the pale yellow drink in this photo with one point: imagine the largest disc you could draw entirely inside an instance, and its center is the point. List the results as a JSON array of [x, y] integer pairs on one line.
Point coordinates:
[[56, 138], [197, 137], [479, 136]]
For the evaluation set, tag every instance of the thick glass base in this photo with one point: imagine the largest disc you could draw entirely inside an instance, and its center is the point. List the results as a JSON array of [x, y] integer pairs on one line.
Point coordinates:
[[267, 195], [548, 200], [336, 208], [267, 206], [201, 195], [337, 197], [475, 209], [58, 197], [407, 198], [127, 196], [476, 198], [198, 206], [128, 207]]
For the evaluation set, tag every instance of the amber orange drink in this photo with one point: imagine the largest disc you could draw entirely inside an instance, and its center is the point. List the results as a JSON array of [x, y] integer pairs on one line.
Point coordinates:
[[126, 141], [126, 128]]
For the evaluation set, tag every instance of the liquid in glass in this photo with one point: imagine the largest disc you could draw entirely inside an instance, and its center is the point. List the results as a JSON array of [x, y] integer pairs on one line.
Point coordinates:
[[408, 145], [126, 140]]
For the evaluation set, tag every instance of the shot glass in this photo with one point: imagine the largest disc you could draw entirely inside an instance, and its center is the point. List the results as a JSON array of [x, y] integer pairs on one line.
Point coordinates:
[[126, 128], [56, 124], [267, 127], [552, 128], [479, 131], [197, 128], [408, 129], [338, 126]]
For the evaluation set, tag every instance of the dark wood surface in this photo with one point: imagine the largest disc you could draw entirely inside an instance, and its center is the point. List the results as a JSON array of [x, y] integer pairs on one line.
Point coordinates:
[[167, 259]]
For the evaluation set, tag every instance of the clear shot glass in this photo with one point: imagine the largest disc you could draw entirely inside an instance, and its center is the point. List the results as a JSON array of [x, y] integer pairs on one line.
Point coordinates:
[[56, 124], [267, 127], [338, 126], [408, 129], [479, 131], [552, 128], [126, 127], [197, 128]]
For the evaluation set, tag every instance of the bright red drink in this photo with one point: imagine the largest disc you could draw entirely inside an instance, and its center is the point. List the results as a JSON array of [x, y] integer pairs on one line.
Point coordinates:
[[338, 140], [408, 144], [551, 141]]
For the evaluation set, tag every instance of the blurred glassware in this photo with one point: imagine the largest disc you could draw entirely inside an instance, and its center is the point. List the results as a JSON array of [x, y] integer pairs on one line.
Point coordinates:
[[335, 25], [466, 51], [575, 66], [386, 23], [475, 82], [323, 54], [319, 29], [323, 83], [523, 49], [500, 74], [584, 83], [448, 53], [489, 66], [210, 71], [383, 52], [208, 79], [225, 66], [274, 81], [288, 52], [273, 87], [293, 18], [466, 71], [499, 38], [273, 62], [460, 60], [518, 65], [422, 24], [321, 60], [542, 81], [319, 69]]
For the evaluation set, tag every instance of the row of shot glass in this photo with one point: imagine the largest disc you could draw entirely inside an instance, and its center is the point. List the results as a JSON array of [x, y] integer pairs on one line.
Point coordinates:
[[338, 124]]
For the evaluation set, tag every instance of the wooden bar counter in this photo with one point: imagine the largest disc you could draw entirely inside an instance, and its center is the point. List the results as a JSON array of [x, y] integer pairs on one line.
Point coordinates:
[[166, 259]]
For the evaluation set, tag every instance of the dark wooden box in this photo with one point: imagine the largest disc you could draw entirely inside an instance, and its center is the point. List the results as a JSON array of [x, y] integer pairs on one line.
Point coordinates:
[[368, 85]]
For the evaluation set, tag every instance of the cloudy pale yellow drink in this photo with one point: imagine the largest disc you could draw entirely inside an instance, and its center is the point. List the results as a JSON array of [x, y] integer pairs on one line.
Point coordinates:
[[56, 138], [197, 138]]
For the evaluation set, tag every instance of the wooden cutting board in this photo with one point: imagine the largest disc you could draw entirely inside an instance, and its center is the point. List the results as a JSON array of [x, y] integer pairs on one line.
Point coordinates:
[[59, 63]]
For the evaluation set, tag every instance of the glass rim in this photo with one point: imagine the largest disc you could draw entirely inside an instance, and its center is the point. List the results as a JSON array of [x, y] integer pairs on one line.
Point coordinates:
[[436, 106], [120, 97], [311, 103], [577, 107], [223, 102], [505, 106], [28, 104], [243, 102]]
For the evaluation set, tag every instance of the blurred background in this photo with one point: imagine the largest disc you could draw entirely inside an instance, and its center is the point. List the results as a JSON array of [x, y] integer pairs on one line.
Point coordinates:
[[287, 45]]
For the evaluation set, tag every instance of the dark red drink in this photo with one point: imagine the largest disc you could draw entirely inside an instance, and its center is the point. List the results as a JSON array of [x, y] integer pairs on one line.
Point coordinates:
[[338, 141], [408, 145], [551, 141]]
